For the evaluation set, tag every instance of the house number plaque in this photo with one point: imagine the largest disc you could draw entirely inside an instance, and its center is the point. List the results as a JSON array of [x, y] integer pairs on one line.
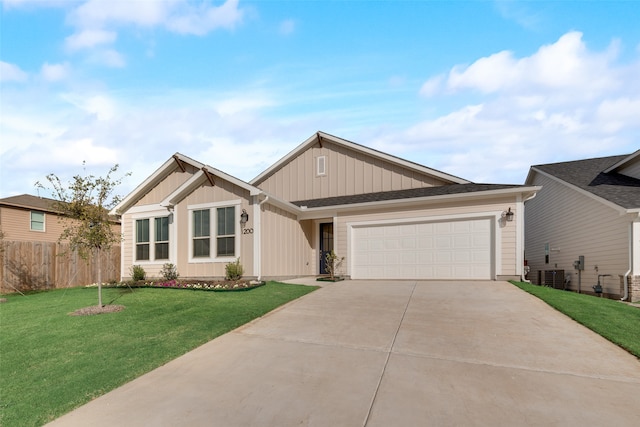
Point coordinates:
[[247, 231]]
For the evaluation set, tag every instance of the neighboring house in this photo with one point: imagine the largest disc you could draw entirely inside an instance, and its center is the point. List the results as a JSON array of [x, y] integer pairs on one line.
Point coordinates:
[[29, 218], [586, 208], [31, 258], [388, 217]]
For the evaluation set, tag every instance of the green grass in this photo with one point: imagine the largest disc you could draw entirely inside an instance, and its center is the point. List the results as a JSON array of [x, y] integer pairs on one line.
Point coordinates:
[[51, 363], [614, 320]]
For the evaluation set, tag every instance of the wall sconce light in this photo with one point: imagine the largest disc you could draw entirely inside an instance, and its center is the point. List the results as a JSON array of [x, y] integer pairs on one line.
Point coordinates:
[[244, 217], [508, 215]]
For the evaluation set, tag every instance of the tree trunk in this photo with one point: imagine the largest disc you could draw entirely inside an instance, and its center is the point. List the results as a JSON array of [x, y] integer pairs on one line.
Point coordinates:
[[99, 253]]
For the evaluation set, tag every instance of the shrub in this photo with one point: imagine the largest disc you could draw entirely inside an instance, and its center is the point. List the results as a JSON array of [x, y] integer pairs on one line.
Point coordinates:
[[233, 270], [138, 273], [169, 271]]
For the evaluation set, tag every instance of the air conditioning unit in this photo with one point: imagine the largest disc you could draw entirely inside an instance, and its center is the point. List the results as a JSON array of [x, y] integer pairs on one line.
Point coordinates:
[[554, 278]]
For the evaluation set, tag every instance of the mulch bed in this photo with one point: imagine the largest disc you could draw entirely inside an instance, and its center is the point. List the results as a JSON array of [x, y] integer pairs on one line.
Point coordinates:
[[96, 309]]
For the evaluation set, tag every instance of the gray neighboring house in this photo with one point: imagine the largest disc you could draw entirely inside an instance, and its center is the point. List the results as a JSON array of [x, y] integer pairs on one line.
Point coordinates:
[[587, 208]]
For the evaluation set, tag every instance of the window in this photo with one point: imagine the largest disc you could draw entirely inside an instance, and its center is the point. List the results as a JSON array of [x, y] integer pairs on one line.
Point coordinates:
[[201, 241], [321, 166], [226, 231], [546, 253], [142, 239], [37, 221], [162, 238]]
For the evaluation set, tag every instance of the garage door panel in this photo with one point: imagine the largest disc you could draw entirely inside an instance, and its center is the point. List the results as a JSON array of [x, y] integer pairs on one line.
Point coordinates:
[[438, 250]]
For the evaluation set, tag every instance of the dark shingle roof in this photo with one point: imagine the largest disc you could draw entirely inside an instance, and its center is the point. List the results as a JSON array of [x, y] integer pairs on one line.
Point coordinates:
[[588, 175], [402, 194], [27, 201]]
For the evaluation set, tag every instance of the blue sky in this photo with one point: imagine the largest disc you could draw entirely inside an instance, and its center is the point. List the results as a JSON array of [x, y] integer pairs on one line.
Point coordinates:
[[479, 89]]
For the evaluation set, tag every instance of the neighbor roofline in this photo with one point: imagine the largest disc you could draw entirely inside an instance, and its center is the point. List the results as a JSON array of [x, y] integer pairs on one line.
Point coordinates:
[[622, 210], [622, 162], [318, 136]]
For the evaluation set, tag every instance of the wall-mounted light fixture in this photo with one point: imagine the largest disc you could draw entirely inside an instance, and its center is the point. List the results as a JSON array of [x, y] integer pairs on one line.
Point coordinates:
[[508, 215], [244, 217]]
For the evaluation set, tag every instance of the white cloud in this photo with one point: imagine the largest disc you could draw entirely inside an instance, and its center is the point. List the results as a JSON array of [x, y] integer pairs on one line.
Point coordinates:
[[55, 72], [15, 4], [432, 86], [203, 18], [107, 57], [90, 38], [12, 73], [101, 106], [566, 65], [563, 102], [180, 16]]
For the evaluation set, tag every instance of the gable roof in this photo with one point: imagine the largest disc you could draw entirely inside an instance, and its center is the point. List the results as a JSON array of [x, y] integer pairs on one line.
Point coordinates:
[[624, 162], [27, 201], [591, 175], [320, 136], [178, 160]]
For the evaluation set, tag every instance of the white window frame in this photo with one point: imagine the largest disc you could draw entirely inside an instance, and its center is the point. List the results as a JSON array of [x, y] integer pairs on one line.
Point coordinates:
[[213, 218], [44, 221], [151, 215]]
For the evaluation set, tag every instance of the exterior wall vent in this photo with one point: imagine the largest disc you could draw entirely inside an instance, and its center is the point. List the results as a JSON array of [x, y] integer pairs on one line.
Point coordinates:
[[321, 165]]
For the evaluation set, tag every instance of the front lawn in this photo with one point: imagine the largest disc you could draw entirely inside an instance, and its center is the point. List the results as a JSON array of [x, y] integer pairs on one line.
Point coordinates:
[[51, 362], [614, 320]]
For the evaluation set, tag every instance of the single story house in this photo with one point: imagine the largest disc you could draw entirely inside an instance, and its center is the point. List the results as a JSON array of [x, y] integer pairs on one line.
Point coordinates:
[[388, 217], [583, 226]]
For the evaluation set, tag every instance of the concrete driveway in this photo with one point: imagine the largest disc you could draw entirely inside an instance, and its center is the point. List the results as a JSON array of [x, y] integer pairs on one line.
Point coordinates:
[[362, 353]]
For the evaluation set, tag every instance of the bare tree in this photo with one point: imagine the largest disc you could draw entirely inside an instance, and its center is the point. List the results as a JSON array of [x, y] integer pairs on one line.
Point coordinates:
[[84, 204]]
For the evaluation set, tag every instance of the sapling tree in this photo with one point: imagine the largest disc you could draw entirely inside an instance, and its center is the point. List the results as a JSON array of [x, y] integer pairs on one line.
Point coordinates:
[[84, 204]]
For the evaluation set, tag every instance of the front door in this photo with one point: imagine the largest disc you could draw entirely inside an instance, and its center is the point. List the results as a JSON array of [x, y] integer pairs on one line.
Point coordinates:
[[326, 245]]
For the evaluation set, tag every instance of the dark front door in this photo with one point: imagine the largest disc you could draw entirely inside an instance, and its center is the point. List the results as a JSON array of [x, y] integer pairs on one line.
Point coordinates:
[[326, 245]]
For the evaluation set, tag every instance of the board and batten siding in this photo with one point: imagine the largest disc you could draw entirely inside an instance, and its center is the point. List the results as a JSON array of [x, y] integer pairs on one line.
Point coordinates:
[[180, 238], [286, 244], [174, 180], [575, 224], [218, 194], [347, 173], [491, 208]]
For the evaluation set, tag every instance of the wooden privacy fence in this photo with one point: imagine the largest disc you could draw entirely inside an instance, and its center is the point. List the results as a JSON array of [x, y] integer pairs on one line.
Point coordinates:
[[47, 265]]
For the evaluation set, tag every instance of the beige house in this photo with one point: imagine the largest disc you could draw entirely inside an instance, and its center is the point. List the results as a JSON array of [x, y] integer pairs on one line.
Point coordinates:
[[388, 217], [31, 256], [588, 211], [29, 218]]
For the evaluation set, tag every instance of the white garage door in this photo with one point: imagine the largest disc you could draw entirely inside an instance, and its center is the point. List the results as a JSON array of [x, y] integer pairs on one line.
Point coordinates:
[[427, 250]]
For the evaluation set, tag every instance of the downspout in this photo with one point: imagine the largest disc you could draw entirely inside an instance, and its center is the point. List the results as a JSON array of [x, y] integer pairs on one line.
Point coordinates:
[[626, 275], [258, 241]]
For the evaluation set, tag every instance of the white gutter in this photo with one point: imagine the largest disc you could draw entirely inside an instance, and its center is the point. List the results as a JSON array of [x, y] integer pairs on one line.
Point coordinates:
[[326, 211], [522, 226]]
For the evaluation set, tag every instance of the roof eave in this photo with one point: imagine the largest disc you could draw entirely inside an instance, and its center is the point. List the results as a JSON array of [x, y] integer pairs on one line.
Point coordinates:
[[153, 180], [311, 213]]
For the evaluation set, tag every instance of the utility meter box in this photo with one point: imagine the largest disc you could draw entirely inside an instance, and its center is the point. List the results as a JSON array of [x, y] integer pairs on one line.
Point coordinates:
[[579, 263]]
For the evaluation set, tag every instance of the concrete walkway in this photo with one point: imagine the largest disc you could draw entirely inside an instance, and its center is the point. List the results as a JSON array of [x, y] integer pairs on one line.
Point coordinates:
[[361, 353]]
